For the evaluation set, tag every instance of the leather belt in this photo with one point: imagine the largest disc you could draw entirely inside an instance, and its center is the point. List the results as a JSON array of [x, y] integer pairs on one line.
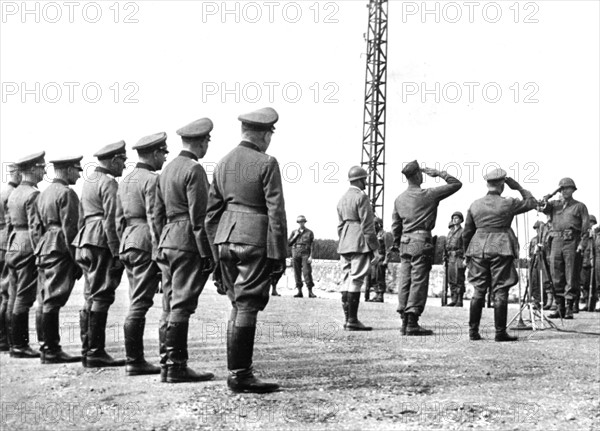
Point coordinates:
[[493, 229], [178, 217], [90, 219], [246, 209], [136, 221]]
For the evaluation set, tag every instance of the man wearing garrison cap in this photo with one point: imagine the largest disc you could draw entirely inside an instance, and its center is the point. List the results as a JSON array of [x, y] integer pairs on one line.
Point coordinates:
[[413, 219], [97, 253], [139, 243], [184, 253], [5, 231], [246, 222], [536, 265], [570, 222], [456, 266], [58, 208], [491, 248], [25, 222]]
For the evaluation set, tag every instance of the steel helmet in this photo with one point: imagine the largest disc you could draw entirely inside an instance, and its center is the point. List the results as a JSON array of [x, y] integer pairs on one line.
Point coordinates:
[[356, 173], [567, 182], [593, 220], [458, 214], [301, 218]]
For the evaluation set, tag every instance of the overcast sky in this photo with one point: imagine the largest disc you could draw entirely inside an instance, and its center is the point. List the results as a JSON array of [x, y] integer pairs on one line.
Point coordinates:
[[470, 86]]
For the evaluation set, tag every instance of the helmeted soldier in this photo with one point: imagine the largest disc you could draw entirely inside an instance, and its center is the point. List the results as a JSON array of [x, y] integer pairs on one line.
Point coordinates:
[[455, 256], [139, 245], [184, 253], [491, 248], [570, 221], [97, 253], [247, 226], [58, 208], [414, 215], [5, 231], [301, 241], [25, 223], [357, 244], [536, 265], [586, 271]]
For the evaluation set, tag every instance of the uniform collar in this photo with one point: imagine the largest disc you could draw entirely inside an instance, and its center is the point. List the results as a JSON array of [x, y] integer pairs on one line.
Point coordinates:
[[250, 145], [10, 183], [60, 181], [141, 165], [356, 188], [28, 183], [493, 192], [188, 154], [102, 170]]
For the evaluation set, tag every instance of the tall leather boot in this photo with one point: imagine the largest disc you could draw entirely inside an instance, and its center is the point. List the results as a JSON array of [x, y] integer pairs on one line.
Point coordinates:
[[404, 318], [39, 330], [413, 327], [310, 292], [240, 349], [575, 303], [162, 350], [299, 294], [500, 315], [20, 337], [367, 293], [177, 369], [560, 308], [83, 333], [96, 355], [274, 290], [4, 345], [459, 297], [570, 309], [475, 311], [136, 364], [353, 323], [345, 307], [9, 335], [53, 352]]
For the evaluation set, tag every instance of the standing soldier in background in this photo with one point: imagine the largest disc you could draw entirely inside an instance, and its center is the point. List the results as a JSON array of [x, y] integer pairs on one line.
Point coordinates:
[[456, 266], [491, 248], [376, 276], [25, 222], [247, 225], [586, 269], [414, 215], [570, 221], [139, 241], [5, 231], [97, 253], [536, 265], [301, 241], [358, 244], [58, 208], [184, 253]]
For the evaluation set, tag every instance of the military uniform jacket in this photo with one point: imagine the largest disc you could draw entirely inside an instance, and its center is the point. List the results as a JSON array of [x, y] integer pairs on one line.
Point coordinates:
[[182, 193], [356, 229], [24, 219], [487, 231], [5, 228], [246, 204], [301, 242], [99, 198], [454, 242], [58, 208], [568, 216], [135, 210]]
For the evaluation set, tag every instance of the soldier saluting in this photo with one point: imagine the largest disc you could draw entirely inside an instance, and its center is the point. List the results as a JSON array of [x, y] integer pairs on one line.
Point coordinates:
[[455, 254], [97, 253], [58, 208], [491, 248], [139, 242]]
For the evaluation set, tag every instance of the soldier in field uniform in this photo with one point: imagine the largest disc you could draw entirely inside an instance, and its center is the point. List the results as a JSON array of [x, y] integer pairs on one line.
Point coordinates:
[[58, 207], [570, 222], [5, 231], [456, 266], [491, 248], [27, 231], [414, 215], [97, 253], [247, 226], [358, 244], [301, 241], [184, 254], [139, 243]]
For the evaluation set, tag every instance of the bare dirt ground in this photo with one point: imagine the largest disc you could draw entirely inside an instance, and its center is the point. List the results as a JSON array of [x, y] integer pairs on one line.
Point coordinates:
[[331, 379]]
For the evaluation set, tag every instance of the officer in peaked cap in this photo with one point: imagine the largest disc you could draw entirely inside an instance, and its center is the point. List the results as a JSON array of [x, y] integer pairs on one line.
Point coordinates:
[[491, 247], [20, 259], [97, 253], [570, 223], [455, 255], [413, 219], [139, 244], [5, 231], [247, 225], [301, 241], [586, 271], [58, 208], [184, 253]]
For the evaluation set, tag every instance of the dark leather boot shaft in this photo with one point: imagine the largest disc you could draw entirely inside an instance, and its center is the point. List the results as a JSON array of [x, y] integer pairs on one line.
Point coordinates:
[[96, 355]]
